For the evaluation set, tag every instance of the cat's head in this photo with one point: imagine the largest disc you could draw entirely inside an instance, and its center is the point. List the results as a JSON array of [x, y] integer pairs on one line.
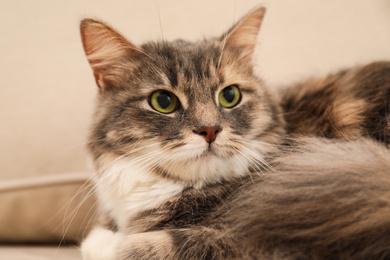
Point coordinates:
[[189, 111]]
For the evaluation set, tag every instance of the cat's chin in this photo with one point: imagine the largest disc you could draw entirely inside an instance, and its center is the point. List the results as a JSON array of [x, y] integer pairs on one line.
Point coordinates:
[[207, 168]]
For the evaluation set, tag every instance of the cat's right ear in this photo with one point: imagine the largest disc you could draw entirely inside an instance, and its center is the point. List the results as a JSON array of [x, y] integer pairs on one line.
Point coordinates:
[[107, 51]]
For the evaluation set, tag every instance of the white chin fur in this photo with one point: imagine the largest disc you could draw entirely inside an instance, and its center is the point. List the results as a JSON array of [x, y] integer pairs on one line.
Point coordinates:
[[124, 189], [207, 170]]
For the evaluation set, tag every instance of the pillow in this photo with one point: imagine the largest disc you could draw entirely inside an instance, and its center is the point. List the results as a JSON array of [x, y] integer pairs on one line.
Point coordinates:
[[46, 209]]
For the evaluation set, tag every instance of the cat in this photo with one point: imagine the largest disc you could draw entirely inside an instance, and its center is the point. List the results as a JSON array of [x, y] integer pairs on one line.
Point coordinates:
[[197, 159]]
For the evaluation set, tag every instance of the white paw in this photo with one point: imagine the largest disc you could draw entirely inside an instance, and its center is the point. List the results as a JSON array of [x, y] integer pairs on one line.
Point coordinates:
[[101, 244]]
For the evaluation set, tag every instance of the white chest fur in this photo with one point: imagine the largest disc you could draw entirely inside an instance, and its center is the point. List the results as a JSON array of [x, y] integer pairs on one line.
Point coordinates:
[[124, 189]]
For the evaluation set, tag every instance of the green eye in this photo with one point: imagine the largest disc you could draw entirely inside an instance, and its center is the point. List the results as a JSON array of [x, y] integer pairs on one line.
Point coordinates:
[[229, 96], [163, 101]]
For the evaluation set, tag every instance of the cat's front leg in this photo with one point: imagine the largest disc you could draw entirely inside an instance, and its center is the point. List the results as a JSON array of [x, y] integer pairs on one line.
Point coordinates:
[[102, 244], [148, 245], [198, 243]]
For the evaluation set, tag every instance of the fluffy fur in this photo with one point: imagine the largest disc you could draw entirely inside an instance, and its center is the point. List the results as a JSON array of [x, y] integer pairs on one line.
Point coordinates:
[[347, 104], [304, 179]]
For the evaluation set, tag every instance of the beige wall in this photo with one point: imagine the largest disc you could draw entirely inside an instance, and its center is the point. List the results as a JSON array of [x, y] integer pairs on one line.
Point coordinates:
[[47, 88]]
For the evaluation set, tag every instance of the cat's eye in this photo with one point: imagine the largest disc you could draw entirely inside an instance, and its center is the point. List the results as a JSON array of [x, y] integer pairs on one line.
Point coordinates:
[[229, 96], [163, 101]]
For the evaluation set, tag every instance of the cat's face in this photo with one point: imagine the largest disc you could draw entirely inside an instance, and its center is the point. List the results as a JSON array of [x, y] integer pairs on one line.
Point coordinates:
[[193, 112]]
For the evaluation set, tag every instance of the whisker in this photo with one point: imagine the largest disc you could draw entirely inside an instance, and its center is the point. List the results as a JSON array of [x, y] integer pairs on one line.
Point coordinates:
[[159, 18], [73, 214], [248, 158], [94, 215], [265, 165], [223, 48], [91, 182]]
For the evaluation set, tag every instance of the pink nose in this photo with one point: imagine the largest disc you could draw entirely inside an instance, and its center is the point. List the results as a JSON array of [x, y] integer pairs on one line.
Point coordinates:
[[209, 133]]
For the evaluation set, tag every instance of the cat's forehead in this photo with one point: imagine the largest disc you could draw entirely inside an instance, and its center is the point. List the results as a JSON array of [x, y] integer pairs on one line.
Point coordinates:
[[184, 52], [189, 66], [184, 61]]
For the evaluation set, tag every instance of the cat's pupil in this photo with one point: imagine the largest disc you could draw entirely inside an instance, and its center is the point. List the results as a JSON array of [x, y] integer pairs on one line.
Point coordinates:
[[228, 94], [164, 99]]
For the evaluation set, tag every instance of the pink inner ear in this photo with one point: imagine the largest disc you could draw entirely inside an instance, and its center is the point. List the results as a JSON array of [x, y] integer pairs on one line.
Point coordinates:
[[105, 49], [102, 44], [244, 34]]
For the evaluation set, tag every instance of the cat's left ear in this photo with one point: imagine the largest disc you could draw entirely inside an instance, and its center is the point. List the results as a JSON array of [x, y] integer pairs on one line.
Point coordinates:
[[243, 35]]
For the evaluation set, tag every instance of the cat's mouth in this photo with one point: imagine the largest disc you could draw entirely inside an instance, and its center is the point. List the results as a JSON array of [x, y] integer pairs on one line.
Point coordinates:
[[210, 152]]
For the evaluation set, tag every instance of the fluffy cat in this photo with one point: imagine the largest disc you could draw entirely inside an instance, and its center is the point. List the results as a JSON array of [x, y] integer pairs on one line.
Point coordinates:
[[197, 159]]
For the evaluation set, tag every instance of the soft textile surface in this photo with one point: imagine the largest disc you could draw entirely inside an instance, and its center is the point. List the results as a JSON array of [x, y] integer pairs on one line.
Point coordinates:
[[39, 253], [45, 209]]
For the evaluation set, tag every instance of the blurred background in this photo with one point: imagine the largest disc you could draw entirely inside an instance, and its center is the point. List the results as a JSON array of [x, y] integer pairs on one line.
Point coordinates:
[[47, 88]]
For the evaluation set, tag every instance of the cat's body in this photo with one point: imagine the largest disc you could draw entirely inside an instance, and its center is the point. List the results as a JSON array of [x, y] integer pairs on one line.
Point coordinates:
[[197, 160], [349, 104]]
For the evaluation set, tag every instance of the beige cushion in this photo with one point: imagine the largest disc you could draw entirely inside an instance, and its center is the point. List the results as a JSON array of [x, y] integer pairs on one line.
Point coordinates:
[[47, 208], [46, 252]]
